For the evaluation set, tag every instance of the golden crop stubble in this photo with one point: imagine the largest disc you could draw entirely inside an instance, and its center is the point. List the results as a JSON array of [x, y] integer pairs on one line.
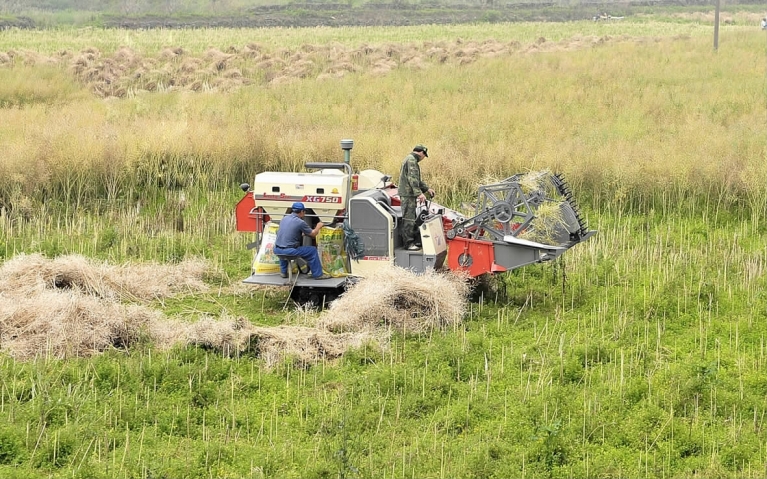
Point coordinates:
[[615, 117]]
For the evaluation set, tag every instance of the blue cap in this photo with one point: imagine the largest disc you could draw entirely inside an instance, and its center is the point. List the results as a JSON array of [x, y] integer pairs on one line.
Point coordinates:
[[298, 206]]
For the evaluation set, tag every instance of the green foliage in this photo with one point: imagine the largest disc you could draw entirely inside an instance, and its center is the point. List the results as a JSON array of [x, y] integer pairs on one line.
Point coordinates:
[[57, 449], [12, 451], [550, 449], [637, 354], [491, 16]]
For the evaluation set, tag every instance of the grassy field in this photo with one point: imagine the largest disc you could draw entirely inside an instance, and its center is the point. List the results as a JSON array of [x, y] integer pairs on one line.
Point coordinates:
[[257, 14], [640, 354], [152, 42]]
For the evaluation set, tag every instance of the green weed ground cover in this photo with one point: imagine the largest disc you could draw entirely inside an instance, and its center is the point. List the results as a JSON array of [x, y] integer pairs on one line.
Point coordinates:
[[644, 362], [640, 354]]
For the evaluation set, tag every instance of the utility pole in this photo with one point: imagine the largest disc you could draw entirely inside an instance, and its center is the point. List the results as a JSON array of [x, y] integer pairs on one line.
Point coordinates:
[[716, 26]]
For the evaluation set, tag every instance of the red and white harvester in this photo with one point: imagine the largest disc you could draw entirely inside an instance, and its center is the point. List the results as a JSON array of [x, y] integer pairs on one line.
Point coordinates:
[[524, 219]]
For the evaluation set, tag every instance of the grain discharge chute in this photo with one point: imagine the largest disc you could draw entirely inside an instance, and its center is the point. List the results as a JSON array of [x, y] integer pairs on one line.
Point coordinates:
[[524, 219]]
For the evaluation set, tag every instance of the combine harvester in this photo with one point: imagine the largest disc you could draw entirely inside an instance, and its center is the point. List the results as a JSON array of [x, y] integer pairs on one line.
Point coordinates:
[[525, 219]]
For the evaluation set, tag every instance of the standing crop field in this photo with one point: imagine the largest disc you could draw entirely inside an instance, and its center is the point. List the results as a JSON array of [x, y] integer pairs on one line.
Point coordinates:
[[129, 347]]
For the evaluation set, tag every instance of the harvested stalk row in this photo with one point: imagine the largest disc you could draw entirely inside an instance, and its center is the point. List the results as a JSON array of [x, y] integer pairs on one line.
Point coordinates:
[[75, 307]]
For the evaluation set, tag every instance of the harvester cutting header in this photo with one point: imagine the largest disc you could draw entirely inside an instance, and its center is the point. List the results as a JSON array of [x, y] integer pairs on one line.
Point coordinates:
[[524, 219]]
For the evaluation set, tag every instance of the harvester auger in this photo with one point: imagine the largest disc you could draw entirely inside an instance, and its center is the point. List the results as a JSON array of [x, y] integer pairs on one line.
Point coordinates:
[[525, 219]]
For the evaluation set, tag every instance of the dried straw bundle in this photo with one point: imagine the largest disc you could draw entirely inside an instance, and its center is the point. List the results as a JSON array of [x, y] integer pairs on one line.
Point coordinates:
[[229, 336], [25, 275], [548, 225], [70, 306], [305, 345], [233, 336], [64, 324], [399, 298]]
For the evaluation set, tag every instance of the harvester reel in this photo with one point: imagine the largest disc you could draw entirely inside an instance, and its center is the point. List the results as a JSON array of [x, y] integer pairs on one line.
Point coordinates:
[[498, 204], [510, 208], [503, 212]]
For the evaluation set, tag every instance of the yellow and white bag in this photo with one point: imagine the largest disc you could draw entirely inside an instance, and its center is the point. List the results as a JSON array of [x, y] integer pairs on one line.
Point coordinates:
[[330, 246], [266, 262]]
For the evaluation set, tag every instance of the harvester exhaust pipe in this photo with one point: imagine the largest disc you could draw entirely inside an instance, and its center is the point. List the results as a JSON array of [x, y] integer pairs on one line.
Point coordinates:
[[347, 146]]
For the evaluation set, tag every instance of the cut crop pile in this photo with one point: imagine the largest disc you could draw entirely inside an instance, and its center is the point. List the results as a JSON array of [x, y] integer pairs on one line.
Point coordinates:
[[72, 306], [126, 72], [397, 298]]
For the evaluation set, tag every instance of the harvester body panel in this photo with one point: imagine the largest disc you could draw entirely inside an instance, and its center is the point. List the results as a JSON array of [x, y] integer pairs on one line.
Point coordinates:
[[375, 222], [325, 192], [300, 280], [431, 256]]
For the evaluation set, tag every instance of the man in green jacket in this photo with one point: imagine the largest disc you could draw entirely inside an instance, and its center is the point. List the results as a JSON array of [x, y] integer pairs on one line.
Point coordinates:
[[412, 190]]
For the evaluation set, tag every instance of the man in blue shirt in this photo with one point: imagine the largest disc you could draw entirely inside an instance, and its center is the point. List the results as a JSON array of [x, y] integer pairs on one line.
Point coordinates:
[[290, 241]]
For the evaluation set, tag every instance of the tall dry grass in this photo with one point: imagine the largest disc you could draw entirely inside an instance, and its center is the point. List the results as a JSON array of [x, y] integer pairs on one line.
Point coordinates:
[[198, 40], [632, 121]]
